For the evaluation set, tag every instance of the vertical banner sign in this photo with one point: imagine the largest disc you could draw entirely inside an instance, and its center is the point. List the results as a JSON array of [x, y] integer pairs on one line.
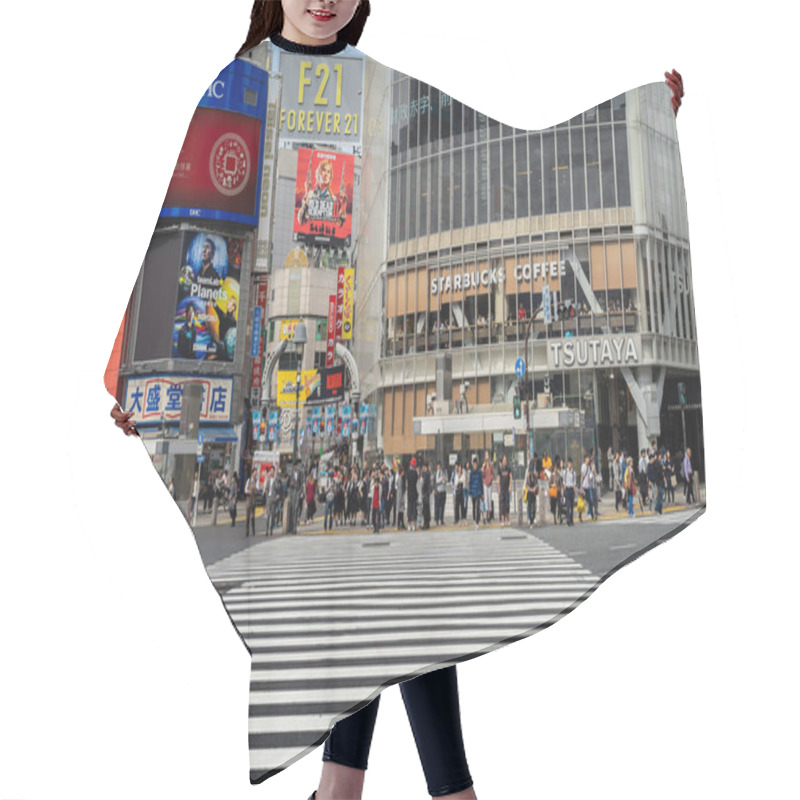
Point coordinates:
[[331, 347], [257, 343], [364, 413], [339, 302], [256, 424], [348, 299], [346, 421], [547, 308], [256, 337], [272, 427], [316, 420]]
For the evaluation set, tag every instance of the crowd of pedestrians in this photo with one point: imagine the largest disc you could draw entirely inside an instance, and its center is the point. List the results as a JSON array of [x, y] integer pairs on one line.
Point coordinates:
[[414, 497]]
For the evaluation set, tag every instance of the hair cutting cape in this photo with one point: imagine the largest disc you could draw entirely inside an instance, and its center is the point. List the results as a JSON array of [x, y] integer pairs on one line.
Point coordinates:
[[464, 287]]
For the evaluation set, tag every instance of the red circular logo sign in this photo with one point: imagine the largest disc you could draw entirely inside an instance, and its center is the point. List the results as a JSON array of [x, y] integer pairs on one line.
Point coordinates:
[[229, 164]]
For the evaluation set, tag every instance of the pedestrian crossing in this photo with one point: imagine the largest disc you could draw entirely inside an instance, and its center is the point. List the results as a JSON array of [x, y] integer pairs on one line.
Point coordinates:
[[330, 621]]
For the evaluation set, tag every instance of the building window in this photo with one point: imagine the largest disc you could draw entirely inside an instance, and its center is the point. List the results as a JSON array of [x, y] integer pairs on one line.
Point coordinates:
[[535, 172], [445, 223], [562, 171], [549, 172], [495, 182], [457, 188], [508, 179], [578, 173], [607, 163], [621, 152], [469, 186], [592, 167], [521, 175]]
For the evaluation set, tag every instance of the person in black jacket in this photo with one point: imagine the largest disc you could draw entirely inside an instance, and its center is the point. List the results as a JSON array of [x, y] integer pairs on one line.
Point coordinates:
[[427, 488], [411, 492]]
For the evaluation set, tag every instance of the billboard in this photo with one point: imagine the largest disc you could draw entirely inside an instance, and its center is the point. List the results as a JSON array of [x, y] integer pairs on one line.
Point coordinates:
[[322, 99], [207, 311], [218, 172], [287, 386], [151, 396], [323, 212]]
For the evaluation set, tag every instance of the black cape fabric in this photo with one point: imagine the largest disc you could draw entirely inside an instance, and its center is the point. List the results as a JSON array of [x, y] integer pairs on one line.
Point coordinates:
[[319, 165]]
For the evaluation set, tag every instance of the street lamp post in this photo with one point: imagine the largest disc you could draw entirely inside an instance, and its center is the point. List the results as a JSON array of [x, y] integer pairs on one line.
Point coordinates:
[[300, 338]]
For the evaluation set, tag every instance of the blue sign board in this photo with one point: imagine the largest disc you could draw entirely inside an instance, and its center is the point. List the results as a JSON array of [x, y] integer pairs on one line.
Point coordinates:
[[519, 367], [257, 311]]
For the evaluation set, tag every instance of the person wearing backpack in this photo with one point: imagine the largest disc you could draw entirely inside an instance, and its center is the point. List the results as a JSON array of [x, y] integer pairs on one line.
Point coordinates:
[[629, 483]]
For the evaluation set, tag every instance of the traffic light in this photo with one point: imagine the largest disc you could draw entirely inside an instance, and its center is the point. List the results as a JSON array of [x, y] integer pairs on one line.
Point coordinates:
[[682, 393], [517, 405]]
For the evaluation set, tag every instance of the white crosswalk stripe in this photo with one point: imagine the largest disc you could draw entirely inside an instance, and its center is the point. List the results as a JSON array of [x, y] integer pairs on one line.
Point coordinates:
[[330, 621]]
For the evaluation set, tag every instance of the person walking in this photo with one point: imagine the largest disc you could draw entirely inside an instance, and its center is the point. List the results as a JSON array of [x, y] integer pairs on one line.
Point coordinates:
[[412, 479], [376, 492], [642, 479], [569, 491], [440, 494], [459, 495], [401, 497], [531, 486], [233, 497], [311, 498], [588, 483], [504, 490], [271, 497], [427, 489], [330, 498], [658, 483], [488, 484], [629, 484], [476, 490], [617, 469], [688, 477], [554, 491], [669, 477], [250, 491]]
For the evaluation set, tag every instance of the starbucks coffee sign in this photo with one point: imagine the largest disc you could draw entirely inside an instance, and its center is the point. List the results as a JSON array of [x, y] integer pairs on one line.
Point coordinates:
[[594, 351]]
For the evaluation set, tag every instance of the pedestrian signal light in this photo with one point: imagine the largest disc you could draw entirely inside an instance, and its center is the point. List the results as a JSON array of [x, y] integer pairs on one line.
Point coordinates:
[[517, 407], [682, 393]]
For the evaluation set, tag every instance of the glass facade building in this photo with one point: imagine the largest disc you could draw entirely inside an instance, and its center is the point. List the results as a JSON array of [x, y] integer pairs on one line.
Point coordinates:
[[490, 226]]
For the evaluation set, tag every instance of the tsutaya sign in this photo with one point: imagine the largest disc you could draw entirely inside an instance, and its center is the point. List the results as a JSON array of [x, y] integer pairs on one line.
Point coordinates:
[[594, 351], [474, 277]]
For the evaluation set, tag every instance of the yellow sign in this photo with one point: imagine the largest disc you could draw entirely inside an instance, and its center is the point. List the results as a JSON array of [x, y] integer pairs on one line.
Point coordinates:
[[287, 386], [348, 299], [287, 328]]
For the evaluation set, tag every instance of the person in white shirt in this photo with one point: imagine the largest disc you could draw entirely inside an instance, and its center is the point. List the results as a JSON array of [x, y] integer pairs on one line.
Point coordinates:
[[250, 489]]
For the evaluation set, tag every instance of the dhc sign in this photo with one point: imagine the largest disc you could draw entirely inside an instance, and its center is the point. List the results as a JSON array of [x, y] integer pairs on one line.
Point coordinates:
[[601, 351]]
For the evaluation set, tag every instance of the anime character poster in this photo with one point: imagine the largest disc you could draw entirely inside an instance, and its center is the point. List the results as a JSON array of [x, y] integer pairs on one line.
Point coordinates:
[[207, 311], [324, 197]]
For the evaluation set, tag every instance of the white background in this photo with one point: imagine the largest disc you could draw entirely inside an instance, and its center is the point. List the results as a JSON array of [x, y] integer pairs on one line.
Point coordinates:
[[120, 675]]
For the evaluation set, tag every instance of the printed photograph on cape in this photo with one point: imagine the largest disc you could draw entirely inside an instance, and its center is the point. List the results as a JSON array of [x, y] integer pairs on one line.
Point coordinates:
[[360, 288]]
